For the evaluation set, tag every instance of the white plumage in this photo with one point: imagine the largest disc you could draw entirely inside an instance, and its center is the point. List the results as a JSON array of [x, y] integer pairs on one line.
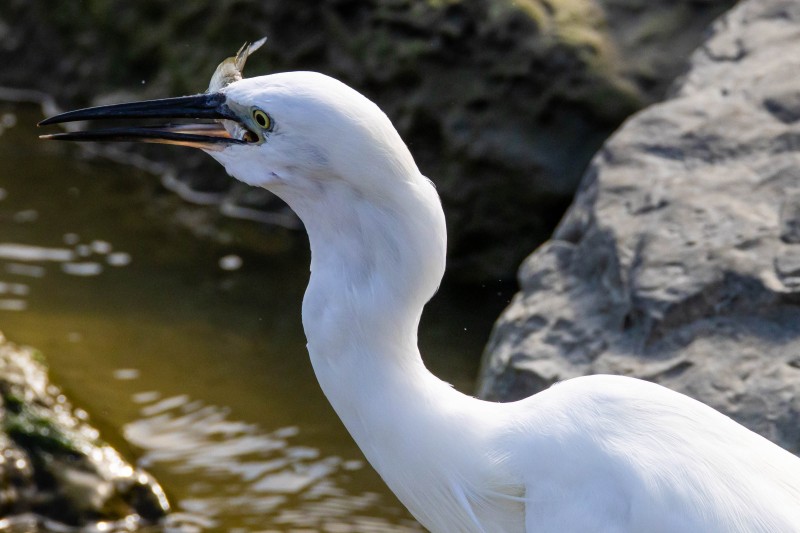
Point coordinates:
[[601, 453], [593, 454]]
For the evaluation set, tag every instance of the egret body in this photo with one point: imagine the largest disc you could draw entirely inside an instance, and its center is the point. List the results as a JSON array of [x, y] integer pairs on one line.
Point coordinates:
[[592, 454]]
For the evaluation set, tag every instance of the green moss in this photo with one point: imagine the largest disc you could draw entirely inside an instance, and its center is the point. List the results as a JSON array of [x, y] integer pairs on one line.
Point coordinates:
[[38, 433], [613, 101], [442, 3], [38, 356], [13, 403]]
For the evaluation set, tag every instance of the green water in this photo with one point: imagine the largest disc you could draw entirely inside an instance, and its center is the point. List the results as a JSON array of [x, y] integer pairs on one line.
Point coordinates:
[[187, 349]]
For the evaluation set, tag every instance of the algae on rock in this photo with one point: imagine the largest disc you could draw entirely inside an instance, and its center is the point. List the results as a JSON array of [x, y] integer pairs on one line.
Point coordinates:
[[53, 466]]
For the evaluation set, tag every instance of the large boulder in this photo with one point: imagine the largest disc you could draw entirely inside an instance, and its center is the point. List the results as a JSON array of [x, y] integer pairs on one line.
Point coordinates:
[[55, 471], [679, 261], [503, 103]]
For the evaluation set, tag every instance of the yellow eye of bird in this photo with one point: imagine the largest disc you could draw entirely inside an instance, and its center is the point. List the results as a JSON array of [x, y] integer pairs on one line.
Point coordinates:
[[262, 119]]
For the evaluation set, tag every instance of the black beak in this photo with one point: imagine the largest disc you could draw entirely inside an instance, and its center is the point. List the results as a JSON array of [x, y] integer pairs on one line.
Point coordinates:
[[210, 135]]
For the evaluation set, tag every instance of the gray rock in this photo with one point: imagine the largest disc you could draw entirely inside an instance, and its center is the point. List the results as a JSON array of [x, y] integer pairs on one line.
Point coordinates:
[[55, 472], [503, 103], [679, 261]]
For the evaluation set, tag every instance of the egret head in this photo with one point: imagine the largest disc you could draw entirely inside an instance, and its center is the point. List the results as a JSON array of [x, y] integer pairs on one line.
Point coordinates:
[[324, 148], [298, 134], [306, 133]]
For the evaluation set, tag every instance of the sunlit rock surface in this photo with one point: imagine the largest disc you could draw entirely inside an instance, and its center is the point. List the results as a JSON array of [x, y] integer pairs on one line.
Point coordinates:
[[679, 261], [502, 102], [55, 472]]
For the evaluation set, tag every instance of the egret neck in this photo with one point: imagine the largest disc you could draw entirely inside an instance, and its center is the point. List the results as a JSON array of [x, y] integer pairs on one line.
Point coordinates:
[[374, 265]]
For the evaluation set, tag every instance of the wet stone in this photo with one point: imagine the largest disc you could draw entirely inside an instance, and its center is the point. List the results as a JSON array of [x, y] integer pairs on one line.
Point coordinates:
[[55, 473]]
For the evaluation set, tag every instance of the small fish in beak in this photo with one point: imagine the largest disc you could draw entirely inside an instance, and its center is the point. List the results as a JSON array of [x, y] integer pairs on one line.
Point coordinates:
[[231, 68]]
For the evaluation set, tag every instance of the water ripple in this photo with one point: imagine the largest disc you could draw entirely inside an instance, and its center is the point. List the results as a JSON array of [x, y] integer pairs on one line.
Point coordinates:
[[258, 476]]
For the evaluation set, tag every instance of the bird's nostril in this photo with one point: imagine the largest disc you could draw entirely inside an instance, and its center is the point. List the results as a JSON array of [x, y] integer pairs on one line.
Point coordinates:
[[250, 137]]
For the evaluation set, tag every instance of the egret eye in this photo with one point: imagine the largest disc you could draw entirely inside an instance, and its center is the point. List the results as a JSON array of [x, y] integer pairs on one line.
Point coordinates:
[[262, 119]]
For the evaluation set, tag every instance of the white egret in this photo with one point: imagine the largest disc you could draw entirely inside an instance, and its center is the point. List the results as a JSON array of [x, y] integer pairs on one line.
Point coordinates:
[[600, 453]]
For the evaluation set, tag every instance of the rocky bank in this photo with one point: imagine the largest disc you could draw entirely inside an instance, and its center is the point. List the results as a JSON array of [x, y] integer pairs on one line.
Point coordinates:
[[679, 260], [56, 474]]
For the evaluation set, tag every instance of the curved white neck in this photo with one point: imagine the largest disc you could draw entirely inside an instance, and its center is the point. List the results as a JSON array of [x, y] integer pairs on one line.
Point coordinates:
[[374, 265]]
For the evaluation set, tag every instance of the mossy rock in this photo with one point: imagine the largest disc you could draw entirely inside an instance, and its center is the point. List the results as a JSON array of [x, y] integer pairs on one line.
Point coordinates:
[[54, 468]]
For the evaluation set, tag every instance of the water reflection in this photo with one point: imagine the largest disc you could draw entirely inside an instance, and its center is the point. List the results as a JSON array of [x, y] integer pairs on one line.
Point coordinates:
[[82, 260], [192, 348], [242, 471]]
